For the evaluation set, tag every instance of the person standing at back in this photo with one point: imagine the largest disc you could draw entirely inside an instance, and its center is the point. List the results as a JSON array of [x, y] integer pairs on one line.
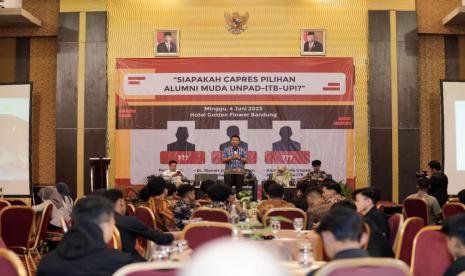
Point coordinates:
[[234, 158], [438, 182]]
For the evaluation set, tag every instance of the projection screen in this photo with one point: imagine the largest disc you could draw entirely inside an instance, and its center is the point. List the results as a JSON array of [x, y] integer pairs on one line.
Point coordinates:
[[15, 118], [453, 117]]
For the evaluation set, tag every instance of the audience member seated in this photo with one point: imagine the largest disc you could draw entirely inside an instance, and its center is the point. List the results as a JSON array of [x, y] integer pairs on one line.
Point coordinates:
[[184, 207], [434, 210], [438, 182], [343, 236], [130, 227], [282, 175], [60, 207], [454, 228], [378, 245], [84, 250], [220, 196], [172, 195], [203, 193], [365, 200], [332, 192], [63, 190], [301, 201], [461, 196], [275, 200], [316, 205], [157, 190]]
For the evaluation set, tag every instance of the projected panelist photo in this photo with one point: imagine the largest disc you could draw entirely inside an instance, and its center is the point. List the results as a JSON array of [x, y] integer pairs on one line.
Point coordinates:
[[167, 43], [286, 143], [181, 143], [312, 42]]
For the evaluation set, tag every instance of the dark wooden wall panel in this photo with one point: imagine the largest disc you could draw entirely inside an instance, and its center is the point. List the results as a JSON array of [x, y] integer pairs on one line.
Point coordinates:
[[22, 59], [66, 99], [66, 155], [379, 98], [381, 161], [94, 147], [95, 91], [451, 52], [408, 102]]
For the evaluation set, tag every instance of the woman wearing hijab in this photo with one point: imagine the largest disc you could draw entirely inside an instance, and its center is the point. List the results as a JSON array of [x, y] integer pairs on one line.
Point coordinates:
[[51, 195], [282, 175]]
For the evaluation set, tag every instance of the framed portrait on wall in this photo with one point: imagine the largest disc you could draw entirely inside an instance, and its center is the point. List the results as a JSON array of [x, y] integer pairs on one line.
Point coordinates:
[[167, 43], [312, 42]]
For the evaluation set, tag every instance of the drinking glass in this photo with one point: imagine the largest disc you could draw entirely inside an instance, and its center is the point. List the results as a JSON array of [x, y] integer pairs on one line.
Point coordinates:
[[275, 226], [298, 225]]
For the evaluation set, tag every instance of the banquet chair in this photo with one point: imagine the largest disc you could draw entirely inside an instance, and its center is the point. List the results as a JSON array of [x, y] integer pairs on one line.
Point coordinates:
[[17, 202], [2, 244], [146, 216], [452, 208], [4, 203], [288, 213], [115, 241], [41, 230], [364, 267], [150, 269], [200, 233], [131, 210], [10, 264], [64, 225], [407, 233], [211, 214], [16, 228], [430, 254], [395, 224], [416, 207]]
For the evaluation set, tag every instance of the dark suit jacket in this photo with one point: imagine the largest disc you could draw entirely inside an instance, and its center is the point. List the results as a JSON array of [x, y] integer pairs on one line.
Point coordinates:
[[179, 146], [456, 267], [346, 254], [286, 146], [130, 228], [161, 48], [316, 47], [438, 187], [377, 219]]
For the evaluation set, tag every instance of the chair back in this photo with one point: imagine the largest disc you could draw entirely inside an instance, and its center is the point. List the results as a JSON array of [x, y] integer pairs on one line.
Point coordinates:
[[404, 246], [452, 208], [4, 203], [16, 224], [394, 223], [146, 216], [200, 233], [131, 210], [10, 264], [416, 207], [211, 214], [115, 241], [430, 254], [17, 202], [364, 267], [150, 269], [64, 225], [288, 213], [43, 224]]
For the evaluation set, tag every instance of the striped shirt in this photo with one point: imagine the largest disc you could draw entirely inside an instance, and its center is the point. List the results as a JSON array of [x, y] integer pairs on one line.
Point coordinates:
[[234, 165]]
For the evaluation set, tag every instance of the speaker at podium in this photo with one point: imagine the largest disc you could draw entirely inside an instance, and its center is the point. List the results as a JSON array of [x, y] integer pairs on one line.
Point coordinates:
[[99, 173]]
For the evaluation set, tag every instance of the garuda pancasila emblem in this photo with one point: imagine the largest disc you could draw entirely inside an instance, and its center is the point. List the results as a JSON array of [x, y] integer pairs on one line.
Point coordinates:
[[236, 22]]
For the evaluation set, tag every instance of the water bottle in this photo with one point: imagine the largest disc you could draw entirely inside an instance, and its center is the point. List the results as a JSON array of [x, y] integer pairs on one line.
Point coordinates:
[[234, 216]]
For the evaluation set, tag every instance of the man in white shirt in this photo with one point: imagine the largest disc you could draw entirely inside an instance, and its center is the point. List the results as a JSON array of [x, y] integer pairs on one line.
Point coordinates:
[[173, 174]]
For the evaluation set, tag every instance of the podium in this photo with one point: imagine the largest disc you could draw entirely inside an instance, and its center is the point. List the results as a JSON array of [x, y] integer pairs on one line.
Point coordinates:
[[99, 173]]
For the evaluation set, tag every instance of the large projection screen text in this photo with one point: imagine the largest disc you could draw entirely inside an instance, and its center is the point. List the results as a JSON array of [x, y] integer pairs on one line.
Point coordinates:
[[15, 108], [453, 112]]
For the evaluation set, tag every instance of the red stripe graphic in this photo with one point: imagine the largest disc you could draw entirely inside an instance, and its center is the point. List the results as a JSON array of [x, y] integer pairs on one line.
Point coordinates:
[[342, 123], [331, 88], [344, 118], [136, 78], [134, 82], [334, 84]]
